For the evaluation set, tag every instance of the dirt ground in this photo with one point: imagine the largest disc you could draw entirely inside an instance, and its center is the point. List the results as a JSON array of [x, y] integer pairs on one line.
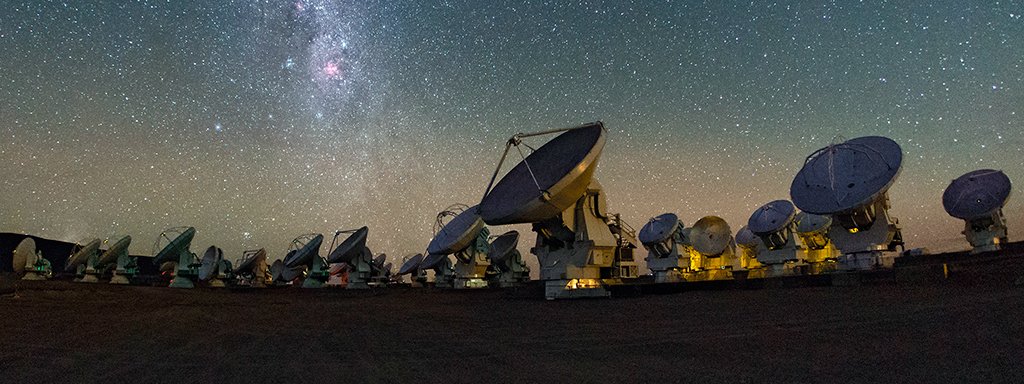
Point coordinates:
[[60, 331]]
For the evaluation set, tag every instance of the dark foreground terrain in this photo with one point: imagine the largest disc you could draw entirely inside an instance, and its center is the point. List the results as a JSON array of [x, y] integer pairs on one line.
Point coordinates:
[[64, 332]]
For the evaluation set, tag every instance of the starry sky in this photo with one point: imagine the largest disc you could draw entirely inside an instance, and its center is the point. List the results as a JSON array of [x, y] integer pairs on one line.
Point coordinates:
[[258, 121]]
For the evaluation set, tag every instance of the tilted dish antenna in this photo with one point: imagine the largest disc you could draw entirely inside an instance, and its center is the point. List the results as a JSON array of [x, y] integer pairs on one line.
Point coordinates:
[[977, 198], [251, 270], [711, 236], [125, 266], [813, 230], [212, 268], [580, 248], [84, 262], [773, 223], [411, 264], [849, 181], [507, 261], [668, 250], [30, 261], [354, 252], [177, 256], [464, 236], [751, 247], [306, 257]]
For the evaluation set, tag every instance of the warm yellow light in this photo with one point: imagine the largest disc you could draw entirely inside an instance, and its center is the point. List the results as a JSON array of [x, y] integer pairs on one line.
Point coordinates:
[[854, 230]]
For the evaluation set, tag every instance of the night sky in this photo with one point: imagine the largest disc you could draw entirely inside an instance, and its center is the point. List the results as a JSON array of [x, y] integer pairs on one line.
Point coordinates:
[[257, 121]]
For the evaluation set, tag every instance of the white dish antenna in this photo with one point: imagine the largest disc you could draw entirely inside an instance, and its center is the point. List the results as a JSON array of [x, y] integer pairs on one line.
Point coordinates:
[[978, 198], [85, 254], [711, 236]]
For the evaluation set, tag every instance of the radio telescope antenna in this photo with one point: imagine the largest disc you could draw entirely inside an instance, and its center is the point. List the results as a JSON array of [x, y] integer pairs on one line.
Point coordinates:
[[354, 252], [213, 269], [251, 270], [712, 238], [411, 267], [977, 198], [668, 249], [29, 261], [507, 261], [176, 256], [306, 257], [462, 233], [849, 182], [84, 261], [775, 224], [125, 266], [580, 247]]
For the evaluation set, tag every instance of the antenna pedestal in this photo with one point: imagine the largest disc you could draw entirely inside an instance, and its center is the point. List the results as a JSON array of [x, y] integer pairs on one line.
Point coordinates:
[[185, 272], [986, 234], [472, 263], [512, 273], [361, 273], [40, 269], [580, 253], [121, 276], [444, 274], [89, 275], [668, 268], [866, 246]]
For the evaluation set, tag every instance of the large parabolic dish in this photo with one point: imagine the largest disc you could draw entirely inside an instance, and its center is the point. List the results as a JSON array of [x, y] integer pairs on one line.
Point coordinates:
[[976, 194], [305, 254], [846, 176], [710, 235], [659, 228], [458, 234], [502, 247], [25, 251], [411, 265], [548, 181], [111, 254], [251, 259], [772, 217], [82, 255], [351, 248], [173, 249]]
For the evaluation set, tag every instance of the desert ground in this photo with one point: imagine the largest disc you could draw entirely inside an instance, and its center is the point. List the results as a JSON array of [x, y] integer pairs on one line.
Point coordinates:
[[969, 331]]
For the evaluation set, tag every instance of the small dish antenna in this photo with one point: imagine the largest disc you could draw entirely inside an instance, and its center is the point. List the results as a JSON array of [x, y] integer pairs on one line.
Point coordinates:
[[977, 198], [213, 269], [251, 270], [29, 261], [750, 247], [580, 247], [411, 267], [354, 252], [712, 240], [775, 224], [507, 261], [176, 256], [125, 266], [668, 249], [460, 231], [304, 255], [84, 261], [849, 181]]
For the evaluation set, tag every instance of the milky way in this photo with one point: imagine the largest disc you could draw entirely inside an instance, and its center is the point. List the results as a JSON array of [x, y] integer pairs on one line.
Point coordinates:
[[259, 121]]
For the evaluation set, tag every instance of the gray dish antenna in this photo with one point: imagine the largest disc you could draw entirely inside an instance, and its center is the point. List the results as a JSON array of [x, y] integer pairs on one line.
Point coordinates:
[[351, 248], [711, 235], [809, 223], [548, 181], [503, 246], [659, 229], [23, 254], [308, 247], [210, 263], [176, 246], [89, 251], [977, 194], [411, 265], [747, 239], [458, 234], [252, 259], [846, 176], [772, 217], [111, 254]]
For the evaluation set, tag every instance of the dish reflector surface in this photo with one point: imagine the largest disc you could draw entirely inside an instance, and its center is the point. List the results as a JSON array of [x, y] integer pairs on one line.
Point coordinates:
[[82, 255], [251, 259], [26, 249], [976, 194], [431, 261], [772, 217], [175, 247], [458, 234], [210, 263], [710, 235], [659, 228], [110, 255], [351, 248], [746, 238], [562, 168], [848, 175], [411, 265], [305, 254], [811, 223], [502, 246]]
